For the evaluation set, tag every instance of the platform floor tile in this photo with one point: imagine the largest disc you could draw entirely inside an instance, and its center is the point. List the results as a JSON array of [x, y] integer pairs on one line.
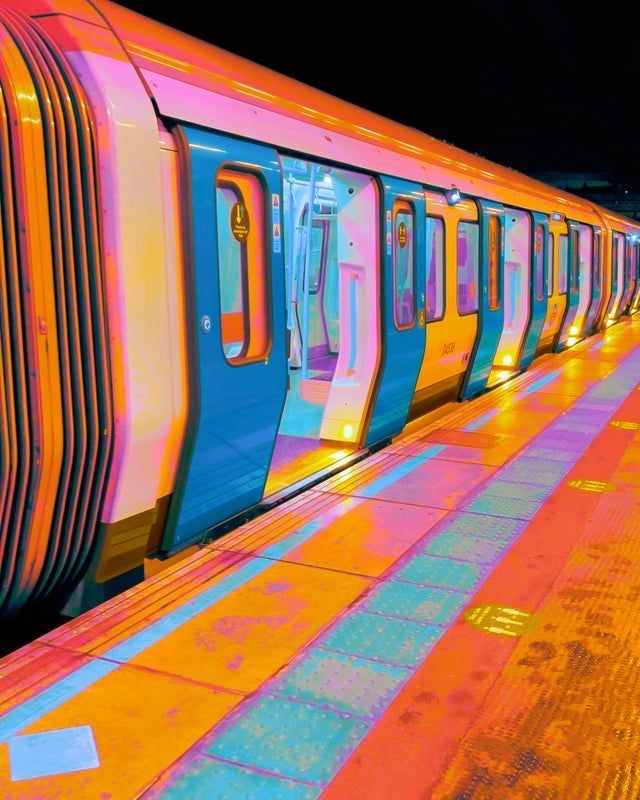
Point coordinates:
[[210, 779], [292, 739], [425, 570], [418, 603], [341, 682], [393, 641]]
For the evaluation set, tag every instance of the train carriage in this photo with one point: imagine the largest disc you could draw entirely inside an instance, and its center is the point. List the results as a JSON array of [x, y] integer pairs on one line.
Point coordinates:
[[218, 284]]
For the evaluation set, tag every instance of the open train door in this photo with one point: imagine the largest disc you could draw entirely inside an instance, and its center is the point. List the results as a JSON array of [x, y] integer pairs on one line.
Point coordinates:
[[234, 284]]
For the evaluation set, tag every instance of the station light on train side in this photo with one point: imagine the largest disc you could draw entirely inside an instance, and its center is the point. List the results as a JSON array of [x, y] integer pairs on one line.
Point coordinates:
[[454, 196]]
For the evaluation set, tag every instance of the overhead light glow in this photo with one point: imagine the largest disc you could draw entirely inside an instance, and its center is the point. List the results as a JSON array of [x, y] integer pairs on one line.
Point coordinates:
[[454, 196], [507, 361], [571, 341], [573, 330], [347, 431]]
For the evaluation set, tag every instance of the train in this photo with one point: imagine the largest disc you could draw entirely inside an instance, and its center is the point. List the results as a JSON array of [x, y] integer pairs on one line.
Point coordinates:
[[218, 284]]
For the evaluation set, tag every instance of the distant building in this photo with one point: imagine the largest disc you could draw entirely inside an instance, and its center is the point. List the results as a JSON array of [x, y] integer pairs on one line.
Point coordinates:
[[603, 188]]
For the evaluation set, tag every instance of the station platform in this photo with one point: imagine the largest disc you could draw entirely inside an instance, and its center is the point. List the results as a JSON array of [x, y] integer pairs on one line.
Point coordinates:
[[455, 616]]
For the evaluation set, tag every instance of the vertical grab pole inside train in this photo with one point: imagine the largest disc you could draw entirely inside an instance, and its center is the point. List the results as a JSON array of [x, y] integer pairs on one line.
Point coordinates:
[[290, 256], [307, 269]]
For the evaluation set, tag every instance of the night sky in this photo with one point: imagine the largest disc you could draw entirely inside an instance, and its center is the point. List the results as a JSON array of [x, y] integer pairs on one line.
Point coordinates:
[[531, 85]]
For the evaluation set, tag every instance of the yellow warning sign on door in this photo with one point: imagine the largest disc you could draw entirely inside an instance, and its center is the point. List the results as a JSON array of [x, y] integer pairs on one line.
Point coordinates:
[[402, 234], [239, 221]]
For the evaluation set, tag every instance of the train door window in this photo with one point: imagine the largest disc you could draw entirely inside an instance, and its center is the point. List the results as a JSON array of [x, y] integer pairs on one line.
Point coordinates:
[[597, 249], [242, 267], [574, 272], [539, 262], [563, 255], [404, 303], [615, 260], [467, 267], [627, 267], [550, 264], [435, 268], [494, 263]]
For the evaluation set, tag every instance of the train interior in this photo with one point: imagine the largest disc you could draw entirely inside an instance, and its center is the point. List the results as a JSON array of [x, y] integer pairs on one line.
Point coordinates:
[[330, 268]]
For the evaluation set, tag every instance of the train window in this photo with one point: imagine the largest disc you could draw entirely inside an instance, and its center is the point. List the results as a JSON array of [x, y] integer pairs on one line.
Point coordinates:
[[614, 259], [574, 272], [318, 254], [563, 254], [242, 271], [627, 267], [539, 262], [597, 249], [467, 267], [494, 263], [435, 268], [404, 304], [549, 264]]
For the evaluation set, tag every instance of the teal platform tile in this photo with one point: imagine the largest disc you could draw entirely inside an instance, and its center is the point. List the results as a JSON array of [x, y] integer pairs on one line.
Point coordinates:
[[549, 440], [579, 427], [517, 491], [419, 603], [445, 573], [394, 641], [290, 739], [549, 454], [476, 525], [341, 682], [534, 470], [208, 779], [511, 507], [467, 548]]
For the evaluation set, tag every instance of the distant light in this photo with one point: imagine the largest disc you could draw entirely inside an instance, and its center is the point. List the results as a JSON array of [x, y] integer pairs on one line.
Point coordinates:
[[454, 196], [609, 323], [571, 341], [507, 361], [347, 431], [574, 330]]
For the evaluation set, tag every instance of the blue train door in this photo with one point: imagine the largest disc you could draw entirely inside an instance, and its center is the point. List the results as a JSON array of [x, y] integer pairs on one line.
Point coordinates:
[[403, 307], [491, 300], [574, 279], [596, 283], [538, 294], [236, 330]]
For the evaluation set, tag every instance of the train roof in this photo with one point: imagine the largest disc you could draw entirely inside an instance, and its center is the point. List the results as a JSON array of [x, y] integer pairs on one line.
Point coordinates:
[[160, 49]]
